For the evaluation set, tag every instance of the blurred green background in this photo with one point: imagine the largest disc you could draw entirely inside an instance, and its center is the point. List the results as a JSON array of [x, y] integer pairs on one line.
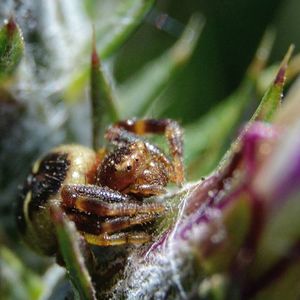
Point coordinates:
[[231, 35]]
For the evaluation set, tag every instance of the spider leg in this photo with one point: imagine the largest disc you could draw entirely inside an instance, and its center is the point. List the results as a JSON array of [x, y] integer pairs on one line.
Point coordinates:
[[146, 189], [105, 202], [119, 238], [121, 132], [96, 226]]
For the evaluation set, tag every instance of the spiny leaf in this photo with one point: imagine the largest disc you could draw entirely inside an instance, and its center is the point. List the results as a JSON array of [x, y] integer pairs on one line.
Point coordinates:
[[102, 98], [11, 48], [267, 108], [267, 76], [71, 249], [272, 98], [138, 93], [288, 114]]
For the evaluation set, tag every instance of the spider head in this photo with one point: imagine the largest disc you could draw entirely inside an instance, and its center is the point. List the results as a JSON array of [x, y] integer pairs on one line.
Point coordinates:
[[120, 168]]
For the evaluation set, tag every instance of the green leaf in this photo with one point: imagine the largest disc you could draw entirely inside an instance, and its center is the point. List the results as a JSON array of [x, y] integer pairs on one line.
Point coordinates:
[[11, 48], [267, 76], [71, 247], [267, 108], [102, 99], [137, 94], [272, 98]]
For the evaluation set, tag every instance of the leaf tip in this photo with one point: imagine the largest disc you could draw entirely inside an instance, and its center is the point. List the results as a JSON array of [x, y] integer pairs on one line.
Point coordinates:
[[281, 75], [11, 26], [95, 60]]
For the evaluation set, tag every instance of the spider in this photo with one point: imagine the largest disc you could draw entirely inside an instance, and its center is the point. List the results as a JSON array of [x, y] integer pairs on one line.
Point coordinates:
[[102, 192]]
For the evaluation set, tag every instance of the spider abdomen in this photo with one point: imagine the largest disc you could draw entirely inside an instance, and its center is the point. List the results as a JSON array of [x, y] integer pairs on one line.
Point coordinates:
[[67, 164]]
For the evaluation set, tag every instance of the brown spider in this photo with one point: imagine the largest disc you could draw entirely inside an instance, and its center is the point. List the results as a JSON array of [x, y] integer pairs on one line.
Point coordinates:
[[101, 192]]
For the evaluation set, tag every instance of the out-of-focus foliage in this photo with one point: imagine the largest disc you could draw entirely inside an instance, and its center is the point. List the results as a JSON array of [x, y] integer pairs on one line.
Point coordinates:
[[139, 92], [17, 281], [149, 59]]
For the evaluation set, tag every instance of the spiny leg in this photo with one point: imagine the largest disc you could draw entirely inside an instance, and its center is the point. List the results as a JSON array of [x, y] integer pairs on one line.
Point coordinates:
[[103, 201], [116, 239], [145, 189], [94, 225], [119, 133]]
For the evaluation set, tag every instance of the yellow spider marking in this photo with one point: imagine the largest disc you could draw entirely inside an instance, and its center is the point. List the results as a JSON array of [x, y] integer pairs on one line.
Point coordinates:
[[36, 166], [26, 206], [140, 127]]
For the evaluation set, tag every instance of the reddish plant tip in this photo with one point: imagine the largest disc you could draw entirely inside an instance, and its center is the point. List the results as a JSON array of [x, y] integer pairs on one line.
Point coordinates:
[[95, 60], [280, 78], [11, 26]]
